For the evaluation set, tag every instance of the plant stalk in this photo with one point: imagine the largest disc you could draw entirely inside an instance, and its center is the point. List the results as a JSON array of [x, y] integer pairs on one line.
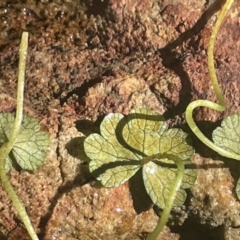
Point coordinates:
[[169, 204], [7, 147]]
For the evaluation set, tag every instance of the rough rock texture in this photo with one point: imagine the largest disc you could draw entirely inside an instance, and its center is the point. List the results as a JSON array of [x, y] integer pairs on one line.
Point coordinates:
[[89, 58]]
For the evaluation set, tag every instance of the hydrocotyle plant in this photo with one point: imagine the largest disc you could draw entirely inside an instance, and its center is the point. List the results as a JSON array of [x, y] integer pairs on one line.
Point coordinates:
[[141, 141], [21, 140], [226, 139]]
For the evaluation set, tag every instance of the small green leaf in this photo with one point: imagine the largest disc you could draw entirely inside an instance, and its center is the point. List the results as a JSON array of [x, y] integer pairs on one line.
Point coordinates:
[[163, 171], [228, 135], [30, 147], [158, 183], [128, 143], [111, 163], [238, 188], [141, 131]]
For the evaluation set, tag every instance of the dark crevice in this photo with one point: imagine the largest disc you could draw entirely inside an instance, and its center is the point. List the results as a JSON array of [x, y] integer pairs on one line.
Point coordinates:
[[96, 7], [192, 229], [81, 91], [169, 60]]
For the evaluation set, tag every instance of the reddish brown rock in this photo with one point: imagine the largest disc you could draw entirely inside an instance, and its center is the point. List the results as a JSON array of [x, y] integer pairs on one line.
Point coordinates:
[[89, 58]]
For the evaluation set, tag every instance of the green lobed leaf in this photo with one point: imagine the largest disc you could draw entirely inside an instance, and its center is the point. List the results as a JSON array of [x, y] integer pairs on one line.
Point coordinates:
[[227, 136], [29, 149], [238, 188], [111, 163], [163, 171], [127, 143], [158, 182], [142, 129], [6, 123]]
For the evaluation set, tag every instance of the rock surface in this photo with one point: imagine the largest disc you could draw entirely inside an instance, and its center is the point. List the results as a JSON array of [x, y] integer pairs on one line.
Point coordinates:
[[90, 58]]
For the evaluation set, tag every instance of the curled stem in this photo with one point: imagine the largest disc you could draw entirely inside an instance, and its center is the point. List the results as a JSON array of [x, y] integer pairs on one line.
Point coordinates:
[[169, 203], [221, 105], [7, 147]]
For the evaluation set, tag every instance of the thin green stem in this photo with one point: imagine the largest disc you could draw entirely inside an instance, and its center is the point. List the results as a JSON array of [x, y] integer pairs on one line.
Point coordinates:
[[7, 147], [169, 204], [220, 106], [199, 134], [20, 89]]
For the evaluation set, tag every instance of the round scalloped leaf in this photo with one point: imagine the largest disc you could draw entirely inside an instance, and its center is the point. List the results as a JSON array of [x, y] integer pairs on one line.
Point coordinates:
[[6, 123], [158, 182], [8, 164], [112, 164], [142, 130], [30, 147], [228, 135], [126, 143], [238, 188], [159, 174], [175, 141]]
